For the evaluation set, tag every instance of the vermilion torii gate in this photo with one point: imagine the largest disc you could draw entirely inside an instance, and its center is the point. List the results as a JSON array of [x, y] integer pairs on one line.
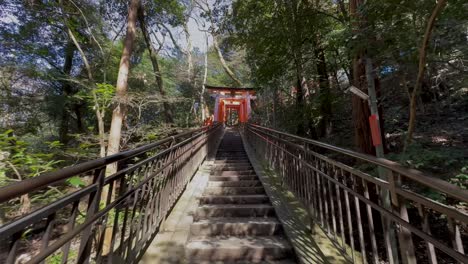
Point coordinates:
[[232, 98]]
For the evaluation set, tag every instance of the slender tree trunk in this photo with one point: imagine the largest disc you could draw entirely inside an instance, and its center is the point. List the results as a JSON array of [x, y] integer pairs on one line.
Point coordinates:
[[188, 38], [79, 118], [121, 96], [155, 63], [296, 49], [99, 113], [67, 91], [422, 66], [324, 127], [275, 106], [205, 75], [118, 115], [300, 129], [226, 68]]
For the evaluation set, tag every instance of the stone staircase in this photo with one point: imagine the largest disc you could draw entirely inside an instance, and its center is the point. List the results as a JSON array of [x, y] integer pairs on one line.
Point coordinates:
[[235, 221]]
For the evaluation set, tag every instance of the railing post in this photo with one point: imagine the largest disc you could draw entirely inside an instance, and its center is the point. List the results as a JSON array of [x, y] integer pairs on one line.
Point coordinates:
[[388, 201], [404, 235], [93, 207]]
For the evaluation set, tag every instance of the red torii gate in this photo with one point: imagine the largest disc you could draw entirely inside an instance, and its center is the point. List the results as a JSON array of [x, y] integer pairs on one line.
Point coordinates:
[[235, 98]]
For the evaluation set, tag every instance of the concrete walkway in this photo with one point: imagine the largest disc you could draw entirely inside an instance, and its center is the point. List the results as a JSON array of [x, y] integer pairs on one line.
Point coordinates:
[[168, 247]]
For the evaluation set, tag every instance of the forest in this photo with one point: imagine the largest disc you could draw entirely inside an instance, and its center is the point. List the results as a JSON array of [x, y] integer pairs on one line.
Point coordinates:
[[86, 79]]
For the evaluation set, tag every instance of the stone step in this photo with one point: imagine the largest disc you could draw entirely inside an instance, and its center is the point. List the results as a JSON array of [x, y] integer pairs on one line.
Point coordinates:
[[254, 183], [233, 210], [230, 153], [233, 190], [231, 161], [233, 168], [286, 261], [236, 227], [236, 164], [218, 157], [254, 249], [234, 199], [234, 178], [233, 173], [231, 158]]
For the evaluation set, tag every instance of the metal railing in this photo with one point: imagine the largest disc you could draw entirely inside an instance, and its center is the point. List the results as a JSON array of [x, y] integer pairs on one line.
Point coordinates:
[[369, 219], [114, 218]]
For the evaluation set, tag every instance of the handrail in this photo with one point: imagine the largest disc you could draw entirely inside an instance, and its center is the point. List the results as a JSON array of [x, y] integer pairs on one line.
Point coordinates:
[[344, 201], [413, 174], [23, 187], [120, 214]]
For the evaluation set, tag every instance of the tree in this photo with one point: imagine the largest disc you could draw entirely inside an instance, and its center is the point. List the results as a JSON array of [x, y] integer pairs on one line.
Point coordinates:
[[121, 96], [153, 53], [422, 66], [208, 13]]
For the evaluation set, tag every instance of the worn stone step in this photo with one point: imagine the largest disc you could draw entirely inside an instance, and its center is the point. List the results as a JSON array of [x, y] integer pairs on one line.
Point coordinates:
[[237, 161], [227, 249], [236, 227], [231, 154], [236, 164], [233, 190], [233, 168], [233, 210], [233, 173], [284, 261], [231, 158], [234, 178], [254, 183], [234, 199], [244, 157]]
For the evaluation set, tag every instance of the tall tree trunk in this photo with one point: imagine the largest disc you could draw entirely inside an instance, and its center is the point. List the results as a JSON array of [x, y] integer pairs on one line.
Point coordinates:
[[226, 68], [361, 112], [79, 117], [295, 44], [205, 75], [300, 128], [275, 106], [67, 91], [121, 96], [99, 113], [188, 52], [324, 127], [155, 63], [422, 66]]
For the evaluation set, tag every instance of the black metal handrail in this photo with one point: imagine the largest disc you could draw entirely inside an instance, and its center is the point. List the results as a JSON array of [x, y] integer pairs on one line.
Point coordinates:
[[114, 218], [46, 179], [413, 174], [400, 216]]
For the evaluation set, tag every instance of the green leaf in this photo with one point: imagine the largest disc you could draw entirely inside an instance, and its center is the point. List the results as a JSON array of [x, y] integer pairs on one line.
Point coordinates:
[[76, 182]]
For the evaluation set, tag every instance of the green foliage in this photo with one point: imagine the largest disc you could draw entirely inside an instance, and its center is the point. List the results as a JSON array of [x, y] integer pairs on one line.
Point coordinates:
[[57, 257], [19, 162], [76, 182], [461, 179], [101, 96], [432, 159]]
